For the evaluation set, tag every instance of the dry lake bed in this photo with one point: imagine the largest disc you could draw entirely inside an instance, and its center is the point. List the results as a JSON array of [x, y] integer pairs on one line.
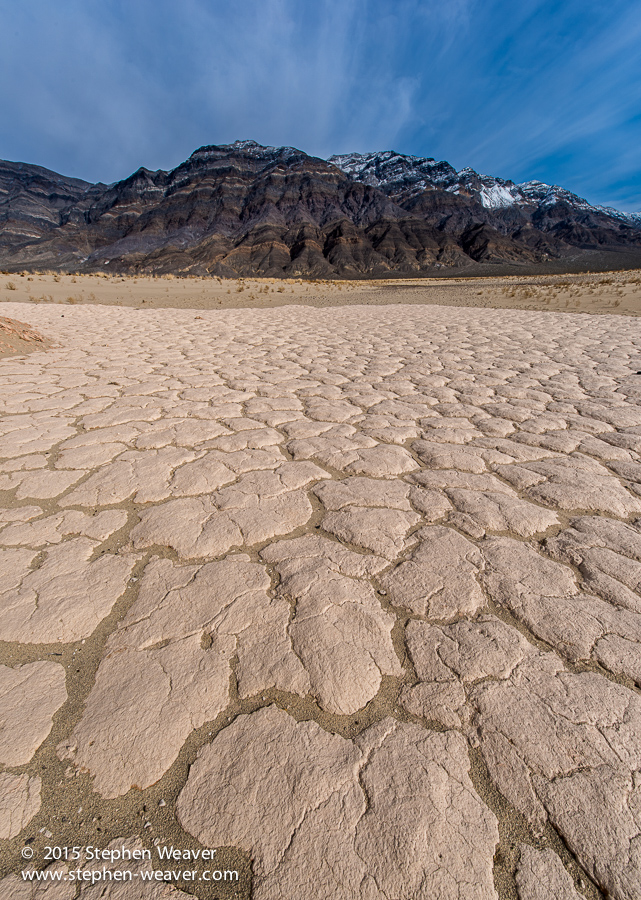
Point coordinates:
[[342, 582]]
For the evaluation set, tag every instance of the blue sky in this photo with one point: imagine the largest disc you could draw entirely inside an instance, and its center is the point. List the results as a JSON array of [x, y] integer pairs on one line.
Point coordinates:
[[522, 89]]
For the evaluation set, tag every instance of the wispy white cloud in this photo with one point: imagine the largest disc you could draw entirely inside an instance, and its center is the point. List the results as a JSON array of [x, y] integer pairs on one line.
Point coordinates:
[[533, 89]]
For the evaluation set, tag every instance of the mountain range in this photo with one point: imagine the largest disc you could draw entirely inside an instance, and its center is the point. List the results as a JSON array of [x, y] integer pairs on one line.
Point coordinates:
[[244, 209]]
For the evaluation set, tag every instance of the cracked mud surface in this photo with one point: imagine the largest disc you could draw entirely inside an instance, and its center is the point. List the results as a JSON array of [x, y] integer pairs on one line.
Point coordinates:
[[351, 596]]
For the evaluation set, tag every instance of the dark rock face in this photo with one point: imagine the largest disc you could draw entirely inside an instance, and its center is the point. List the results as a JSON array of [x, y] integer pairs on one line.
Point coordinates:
[[32, 202], [244, 209]]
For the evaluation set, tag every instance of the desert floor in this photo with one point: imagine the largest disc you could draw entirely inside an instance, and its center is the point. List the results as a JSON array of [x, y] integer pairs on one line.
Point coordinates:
[[612, 292], [348, 591]]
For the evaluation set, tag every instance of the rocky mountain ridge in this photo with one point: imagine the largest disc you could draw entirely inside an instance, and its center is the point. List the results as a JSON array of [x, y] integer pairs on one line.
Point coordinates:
[[246, 209], [399, 175]]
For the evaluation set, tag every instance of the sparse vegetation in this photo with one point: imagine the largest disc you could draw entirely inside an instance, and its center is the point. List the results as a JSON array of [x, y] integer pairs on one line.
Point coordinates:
[[618, 292]]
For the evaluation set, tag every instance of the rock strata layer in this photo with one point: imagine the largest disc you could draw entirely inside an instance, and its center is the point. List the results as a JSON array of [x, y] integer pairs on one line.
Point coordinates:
[[241, 209]]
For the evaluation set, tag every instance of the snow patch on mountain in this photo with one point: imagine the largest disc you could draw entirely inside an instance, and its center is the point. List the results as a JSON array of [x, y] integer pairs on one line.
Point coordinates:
[[496, 197]]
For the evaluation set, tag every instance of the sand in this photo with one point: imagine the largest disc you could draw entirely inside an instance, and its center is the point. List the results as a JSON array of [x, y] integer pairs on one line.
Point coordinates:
[[601, 293]]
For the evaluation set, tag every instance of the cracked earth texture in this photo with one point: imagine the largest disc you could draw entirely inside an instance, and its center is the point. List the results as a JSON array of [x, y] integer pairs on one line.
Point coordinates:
[[352, 595]]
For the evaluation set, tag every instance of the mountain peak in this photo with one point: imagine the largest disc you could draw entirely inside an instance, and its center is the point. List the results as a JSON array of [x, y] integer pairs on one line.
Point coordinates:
[[244, 148], [248, 209]]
